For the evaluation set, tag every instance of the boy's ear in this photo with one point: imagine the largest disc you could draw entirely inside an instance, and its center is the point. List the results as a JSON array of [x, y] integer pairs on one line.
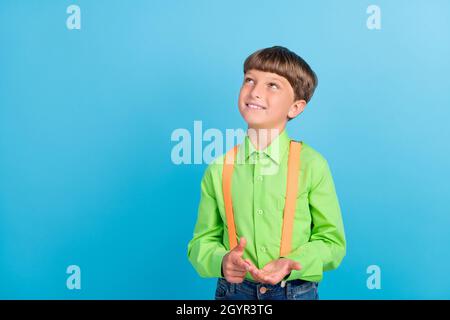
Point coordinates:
[[296, 108]]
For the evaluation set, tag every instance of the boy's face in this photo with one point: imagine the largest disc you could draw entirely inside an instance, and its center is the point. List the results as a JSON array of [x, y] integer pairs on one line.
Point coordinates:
[[266, 100]]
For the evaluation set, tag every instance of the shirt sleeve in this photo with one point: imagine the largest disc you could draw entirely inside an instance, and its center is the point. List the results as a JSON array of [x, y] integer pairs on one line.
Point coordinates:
[[206, 249], [327, 245]]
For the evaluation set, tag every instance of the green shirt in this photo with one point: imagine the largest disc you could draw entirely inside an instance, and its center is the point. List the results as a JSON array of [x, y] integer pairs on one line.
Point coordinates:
[[258, 193]]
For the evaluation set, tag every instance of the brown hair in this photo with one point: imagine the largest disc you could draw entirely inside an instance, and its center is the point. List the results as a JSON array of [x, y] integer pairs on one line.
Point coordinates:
[[288, 64]]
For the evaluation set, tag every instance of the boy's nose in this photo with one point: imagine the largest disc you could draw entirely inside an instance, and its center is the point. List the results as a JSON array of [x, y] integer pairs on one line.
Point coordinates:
[[256, 93]]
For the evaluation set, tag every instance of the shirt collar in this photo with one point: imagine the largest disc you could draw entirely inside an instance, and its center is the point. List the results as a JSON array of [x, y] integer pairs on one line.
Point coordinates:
[[275, 150]]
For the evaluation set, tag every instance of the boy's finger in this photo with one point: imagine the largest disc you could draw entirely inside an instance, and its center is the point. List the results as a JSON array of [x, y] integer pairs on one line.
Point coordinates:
[[249, 263], [271, 278], [252, 268], [256, 273], [238, 262], [238, 270], [295, 265], [253, 271], [235, 279], [256, 277], [237, 274], [233, 266]]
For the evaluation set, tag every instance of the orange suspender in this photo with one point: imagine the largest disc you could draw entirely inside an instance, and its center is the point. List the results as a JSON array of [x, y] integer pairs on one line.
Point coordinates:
[[227, 173], [291, 195]]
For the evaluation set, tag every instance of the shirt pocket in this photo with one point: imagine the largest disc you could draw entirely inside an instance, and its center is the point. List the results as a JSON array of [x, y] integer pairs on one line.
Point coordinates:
[[301, 206], [302, 217]]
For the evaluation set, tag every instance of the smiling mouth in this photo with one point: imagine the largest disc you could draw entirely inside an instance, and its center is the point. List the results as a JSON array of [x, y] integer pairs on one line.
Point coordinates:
[[254, 106]]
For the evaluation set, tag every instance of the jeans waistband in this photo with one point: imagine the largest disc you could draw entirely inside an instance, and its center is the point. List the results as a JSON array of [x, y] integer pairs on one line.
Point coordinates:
[[292, 282], [251, 287], [252, 283]]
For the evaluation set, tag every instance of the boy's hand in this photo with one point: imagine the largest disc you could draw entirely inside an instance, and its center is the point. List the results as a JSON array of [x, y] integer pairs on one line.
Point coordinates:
[[234, 268], [274, 271]]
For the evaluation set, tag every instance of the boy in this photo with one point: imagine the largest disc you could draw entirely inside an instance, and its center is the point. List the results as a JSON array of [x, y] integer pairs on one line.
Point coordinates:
[[275, 195]]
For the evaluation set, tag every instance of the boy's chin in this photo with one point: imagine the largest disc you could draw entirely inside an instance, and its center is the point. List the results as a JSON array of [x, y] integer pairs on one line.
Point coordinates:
[[263, 125], [251, 123], [261, 121]]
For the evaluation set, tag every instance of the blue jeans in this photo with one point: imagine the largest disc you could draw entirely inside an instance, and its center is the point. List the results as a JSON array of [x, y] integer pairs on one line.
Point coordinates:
[[249, 290]]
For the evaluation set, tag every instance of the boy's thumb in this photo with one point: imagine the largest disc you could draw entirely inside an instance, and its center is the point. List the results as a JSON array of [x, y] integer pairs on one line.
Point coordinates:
[[241, 246]]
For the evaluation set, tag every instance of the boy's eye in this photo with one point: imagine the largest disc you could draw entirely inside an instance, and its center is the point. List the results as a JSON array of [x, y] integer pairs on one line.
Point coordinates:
[[247, 80], [273, 85]]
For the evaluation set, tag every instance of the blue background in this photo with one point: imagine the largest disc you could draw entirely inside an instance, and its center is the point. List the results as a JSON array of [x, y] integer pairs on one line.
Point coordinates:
[[86, 117]]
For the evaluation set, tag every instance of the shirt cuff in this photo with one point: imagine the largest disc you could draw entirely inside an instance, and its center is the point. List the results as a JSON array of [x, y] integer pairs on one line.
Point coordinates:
[[216, 262], [312, 269]]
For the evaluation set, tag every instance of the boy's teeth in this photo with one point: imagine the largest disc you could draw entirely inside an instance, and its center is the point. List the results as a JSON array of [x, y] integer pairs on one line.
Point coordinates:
[[253, 106]]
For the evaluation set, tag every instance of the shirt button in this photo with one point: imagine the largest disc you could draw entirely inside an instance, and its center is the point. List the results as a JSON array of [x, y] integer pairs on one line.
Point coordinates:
[[260, 178], [263, 249], [260, 211], [263, 290]]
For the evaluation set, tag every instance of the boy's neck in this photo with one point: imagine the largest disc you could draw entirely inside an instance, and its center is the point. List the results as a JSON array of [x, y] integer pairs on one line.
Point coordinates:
[[261, 138]]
